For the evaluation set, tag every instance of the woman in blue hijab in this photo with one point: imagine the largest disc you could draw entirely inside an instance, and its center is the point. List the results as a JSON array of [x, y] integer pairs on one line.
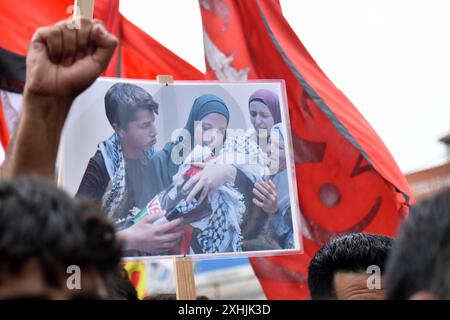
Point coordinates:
[[207, 122]]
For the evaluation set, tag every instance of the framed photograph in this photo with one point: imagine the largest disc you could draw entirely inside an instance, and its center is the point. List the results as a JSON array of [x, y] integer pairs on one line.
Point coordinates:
[[194, 168]]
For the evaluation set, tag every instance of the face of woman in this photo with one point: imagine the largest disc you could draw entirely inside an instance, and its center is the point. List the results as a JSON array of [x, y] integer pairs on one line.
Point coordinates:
[[276, 153], [210, 131], [261, 117]]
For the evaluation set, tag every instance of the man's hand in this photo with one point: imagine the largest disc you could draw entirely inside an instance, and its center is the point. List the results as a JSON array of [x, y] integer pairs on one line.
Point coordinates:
[[152, 238], [63, 61]]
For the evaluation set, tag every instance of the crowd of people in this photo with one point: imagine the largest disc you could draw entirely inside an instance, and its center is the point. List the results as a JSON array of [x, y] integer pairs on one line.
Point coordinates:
[[44, 232]]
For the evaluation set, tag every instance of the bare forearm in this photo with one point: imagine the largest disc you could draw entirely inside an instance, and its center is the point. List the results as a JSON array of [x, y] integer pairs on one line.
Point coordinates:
[[36, 141]]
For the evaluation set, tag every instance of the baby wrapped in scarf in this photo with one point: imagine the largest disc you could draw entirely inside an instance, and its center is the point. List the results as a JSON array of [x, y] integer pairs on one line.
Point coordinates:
[[218, 229]]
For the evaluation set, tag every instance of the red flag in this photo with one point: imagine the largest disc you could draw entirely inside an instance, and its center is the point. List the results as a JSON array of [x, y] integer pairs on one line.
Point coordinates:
[[20, 19], [4, 134], [347, 179]]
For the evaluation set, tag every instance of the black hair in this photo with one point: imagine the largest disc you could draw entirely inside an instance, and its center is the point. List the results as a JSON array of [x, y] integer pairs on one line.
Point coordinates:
[[40, 222], [123, 100], [350, 253], [420, 259]]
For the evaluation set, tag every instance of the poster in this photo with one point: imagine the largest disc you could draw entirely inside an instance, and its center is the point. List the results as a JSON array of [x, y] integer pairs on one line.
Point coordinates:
[[194, 168]]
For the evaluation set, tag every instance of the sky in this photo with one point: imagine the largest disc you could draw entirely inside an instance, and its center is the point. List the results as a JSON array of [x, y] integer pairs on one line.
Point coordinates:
[[390, 58]]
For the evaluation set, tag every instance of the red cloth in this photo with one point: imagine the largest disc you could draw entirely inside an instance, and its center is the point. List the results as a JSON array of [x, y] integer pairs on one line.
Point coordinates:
[[347, 179], [4, 133], [22, 18]]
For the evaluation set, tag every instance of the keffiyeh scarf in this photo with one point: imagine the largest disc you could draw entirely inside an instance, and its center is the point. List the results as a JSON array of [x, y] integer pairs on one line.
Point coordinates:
[[115, 193], [222, 232]]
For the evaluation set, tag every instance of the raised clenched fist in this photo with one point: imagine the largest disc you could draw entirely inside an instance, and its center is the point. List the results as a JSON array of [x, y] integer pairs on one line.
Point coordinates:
[[63, 61]]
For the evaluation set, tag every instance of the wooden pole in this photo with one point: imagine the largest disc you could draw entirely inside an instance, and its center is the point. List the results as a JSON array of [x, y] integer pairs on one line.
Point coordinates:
[[164, 78], [183, 269], [184, 278], [84, 8]]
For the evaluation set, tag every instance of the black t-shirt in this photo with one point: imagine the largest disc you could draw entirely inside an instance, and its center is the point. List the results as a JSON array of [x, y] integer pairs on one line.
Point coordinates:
[[95, 179]]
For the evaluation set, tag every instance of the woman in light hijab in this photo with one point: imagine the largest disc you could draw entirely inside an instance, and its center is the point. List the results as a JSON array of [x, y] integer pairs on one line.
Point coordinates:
[[264, 109], [265, 113], [277, 232]]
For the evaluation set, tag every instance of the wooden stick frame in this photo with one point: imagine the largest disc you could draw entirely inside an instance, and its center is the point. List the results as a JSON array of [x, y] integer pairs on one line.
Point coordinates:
[[84, 8]]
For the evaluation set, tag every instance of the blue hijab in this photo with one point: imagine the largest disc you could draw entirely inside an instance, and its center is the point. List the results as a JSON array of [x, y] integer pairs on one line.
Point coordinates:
[[203, 106]]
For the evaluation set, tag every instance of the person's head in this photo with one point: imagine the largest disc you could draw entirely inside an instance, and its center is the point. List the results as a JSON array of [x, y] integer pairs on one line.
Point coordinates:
[[419, 265], [131, 111], [208, 121], [342, 268], [276, 150], [264, 108], [52, 246]]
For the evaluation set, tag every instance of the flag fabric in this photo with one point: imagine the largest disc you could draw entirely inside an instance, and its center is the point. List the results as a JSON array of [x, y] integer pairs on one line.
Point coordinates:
[[21, 19], [347, 179], [4, 135]]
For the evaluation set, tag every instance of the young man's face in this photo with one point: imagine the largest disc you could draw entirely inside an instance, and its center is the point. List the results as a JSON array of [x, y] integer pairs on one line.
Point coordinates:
[[141, 132]]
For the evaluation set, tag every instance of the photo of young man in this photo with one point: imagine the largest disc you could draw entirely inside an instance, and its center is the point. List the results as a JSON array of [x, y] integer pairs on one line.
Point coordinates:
[[120, 175]]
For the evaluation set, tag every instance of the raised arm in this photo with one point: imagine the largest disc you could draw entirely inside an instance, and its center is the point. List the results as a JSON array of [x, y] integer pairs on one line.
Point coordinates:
[[62, 62]]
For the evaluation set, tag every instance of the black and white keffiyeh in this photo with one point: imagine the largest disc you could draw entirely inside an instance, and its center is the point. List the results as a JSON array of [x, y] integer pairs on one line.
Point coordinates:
[[115, 193], [222, 232]]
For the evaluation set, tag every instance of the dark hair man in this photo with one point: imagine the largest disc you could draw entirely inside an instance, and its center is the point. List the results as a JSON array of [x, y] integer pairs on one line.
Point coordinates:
[[419, 264], [131, 112], [341, 269], [52, 246]]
